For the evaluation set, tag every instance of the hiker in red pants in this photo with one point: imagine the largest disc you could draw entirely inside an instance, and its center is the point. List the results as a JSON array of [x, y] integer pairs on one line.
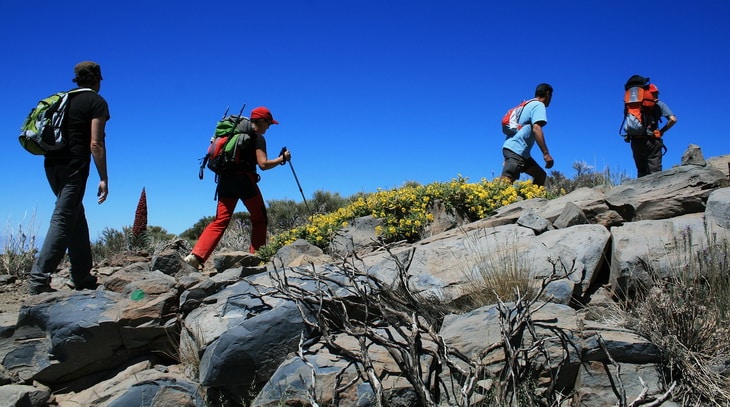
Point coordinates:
[[240, 183]]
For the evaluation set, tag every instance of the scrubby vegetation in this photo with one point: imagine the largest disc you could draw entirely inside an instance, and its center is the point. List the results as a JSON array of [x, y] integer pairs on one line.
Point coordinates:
[[685, 311], [406, 211], [18, 248]]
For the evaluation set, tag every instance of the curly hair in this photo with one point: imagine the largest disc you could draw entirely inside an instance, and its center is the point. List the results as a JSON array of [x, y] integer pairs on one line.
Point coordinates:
[[87, 73]]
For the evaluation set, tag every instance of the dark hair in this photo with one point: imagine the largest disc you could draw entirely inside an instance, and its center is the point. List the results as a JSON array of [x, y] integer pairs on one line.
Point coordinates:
[[87, 73], [543, 90]]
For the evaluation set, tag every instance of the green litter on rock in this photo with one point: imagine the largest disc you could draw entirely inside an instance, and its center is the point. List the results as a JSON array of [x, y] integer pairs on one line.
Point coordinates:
[[137, 295]]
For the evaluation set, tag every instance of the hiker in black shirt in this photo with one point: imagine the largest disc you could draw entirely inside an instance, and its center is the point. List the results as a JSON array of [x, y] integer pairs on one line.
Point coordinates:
[[67, 171]]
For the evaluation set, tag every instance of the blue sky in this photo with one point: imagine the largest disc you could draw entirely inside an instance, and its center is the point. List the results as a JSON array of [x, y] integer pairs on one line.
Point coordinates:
[[369, 94]]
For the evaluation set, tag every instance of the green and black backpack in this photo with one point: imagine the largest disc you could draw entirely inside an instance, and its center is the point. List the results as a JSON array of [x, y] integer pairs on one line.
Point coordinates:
[[44, 127], [231, 136]]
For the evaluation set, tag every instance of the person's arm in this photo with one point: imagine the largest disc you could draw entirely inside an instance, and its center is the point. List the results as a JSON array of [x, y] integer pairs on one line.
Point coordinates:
[[540, 140], [98, 151], [266, 164], [671, 121]]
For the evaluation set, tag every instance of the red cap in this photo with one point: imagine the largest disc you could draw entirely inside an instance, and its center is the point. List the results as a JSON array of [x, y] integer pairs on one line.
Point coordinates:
[[262, 112], [653, 88]]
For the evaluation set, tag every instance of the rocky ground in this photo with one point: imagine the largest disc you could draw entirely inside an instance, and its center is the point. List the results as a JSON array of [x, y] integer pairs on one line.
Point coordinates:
[[12, 295]]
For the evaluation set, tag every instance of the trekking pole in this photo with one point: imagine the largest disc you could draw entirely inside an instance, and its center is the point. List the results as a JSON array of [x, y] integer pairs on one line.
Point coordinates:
[[283, 150]]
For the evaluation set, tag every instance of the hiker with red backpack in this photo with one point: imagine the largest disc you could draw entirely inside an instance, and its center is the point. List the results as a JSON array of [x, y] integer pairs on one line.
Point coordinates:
[[643, 112], [239, 182], [523, 126]]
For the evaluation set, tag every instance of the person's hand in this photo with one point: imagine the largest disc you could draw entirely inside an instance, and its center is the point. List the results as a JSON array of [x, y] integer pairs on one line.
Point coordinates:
[[548, 160], [102, 192], [285, 155]]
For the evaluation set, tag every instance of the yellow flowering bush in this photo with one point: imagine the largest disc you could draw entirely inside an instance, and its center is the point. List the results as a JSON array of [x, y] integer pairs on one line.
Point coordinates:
[[406, 211]]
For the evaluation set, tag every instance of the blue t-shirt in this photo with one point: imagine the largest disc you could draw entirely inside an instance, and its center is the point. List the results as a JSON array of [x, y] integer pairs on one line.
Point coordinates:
[[521, 143], [666, 111]]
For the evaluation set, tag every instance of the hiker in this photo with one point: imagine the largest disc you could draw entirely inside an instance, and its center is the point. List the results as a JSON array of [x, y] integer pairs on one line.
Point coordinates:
[[67, 171], [516, 148], [240, 183], [648, 149]]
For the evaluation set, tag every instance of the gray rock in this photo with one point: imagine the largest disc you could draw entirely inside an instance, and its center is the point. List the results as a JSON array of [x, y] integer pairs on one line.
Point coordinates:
[[23, 396], [570, 216], [226, 260], [659, 247], [674, 192], [358, 235], [251, 351], [532, 220], [298, 253], [693, 156]]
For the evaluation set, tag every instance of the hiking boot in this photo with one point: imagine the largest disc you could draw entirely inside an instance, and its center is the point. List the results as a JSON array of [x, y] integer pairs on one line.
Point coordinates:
[[192, 260], [39, 289], [88, 283]]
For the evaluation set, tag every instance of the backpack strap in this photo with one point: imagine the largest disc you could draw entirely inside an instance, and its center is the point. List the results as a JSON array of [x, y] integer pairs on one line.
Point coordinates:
[[524, 105]]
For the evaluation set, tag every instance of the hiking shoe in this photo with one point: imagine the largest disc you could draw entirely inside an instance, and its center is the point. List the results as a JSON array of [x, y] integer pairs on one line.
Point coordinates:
[[39, 289], [192, 260], [88, 283]]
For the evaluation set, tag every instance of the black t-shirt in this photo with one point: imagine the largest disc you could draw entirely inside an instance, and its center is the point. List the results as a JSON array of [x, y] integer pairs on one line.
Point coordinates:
[[248, 160], [82, 108], [240, 183]]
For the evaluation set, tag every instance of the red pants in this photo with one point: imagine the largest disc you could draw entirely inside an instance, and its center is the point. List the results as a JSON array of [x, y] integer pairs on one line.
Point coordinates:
[[214, 231]]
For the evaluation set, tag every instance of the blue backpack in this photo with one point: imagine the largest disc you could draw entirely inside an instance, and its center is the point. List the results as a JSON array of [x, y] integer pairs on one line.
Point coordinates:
[[43, 129]]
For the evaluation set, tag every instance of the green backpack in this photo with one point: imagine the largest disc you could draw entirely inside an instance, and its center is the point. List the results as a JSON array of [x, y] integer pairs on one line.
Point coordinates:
[[231, 136], [43, 129]]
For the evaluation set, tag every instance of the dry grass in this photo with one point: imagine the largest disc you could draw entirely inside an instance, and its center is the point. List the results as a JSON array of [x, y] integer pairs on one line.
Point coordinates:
[[685, 312], [237, 236], [496, 271], [19, 247]]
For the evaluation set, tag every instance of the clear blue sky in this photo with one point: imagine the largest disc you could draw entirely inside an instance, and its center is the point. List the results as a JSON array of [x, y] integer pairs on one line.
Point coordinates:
[[369, 94]]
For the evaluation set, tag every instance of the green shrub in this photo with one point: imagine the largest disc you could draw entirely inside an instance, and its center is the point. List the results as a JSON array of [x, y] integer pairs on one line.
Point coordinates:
[[113, 241], [406, 211]]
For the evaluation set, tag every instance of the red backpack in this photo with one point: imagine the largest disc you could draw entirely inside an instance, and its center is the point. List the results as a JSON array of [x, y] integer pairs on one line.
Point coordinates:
[[639, 108], [511, 120]]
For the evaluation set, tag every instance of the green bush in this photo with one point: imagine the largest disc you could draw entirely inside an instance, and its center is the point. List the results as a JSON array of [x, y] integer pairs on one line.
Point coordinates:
[[406, 211]]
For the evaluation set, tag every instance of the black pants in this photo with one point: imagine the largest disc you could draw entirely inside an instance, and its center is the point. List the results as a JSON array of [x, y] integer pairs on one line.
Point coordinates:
[[68, 229], [647, 155]]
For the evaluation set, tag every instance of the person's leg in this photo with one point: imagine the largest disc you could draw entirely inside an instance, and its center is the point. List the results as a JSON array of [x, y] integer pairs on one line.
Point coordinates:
[[533, 169], [213, 233], [259, 220], [638, 148], [654, 156], [79, 252], [69, 193], [512, 165]]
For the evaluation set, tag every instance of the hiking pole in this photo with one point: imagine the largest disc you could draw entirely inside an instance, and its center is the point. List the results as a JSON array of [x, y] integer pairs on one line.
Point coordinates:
[[283, 150]]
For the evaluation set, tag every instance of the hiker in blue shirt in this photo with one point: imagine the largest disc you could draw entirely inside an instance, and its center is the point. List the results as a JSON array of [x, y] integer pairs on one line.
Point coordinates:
[[648, 150], [516, 148]]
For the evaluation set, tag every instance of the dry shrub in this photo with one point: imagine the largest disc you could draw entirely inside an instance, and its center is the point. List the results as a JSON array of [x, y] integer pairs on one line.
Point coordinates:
[[686, 314], [18, 248]]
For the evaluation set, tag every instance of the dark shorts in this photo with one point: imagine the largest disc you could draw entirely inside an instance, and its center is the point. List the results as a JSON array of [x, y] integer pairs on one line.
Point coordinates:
[[514, 164]]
